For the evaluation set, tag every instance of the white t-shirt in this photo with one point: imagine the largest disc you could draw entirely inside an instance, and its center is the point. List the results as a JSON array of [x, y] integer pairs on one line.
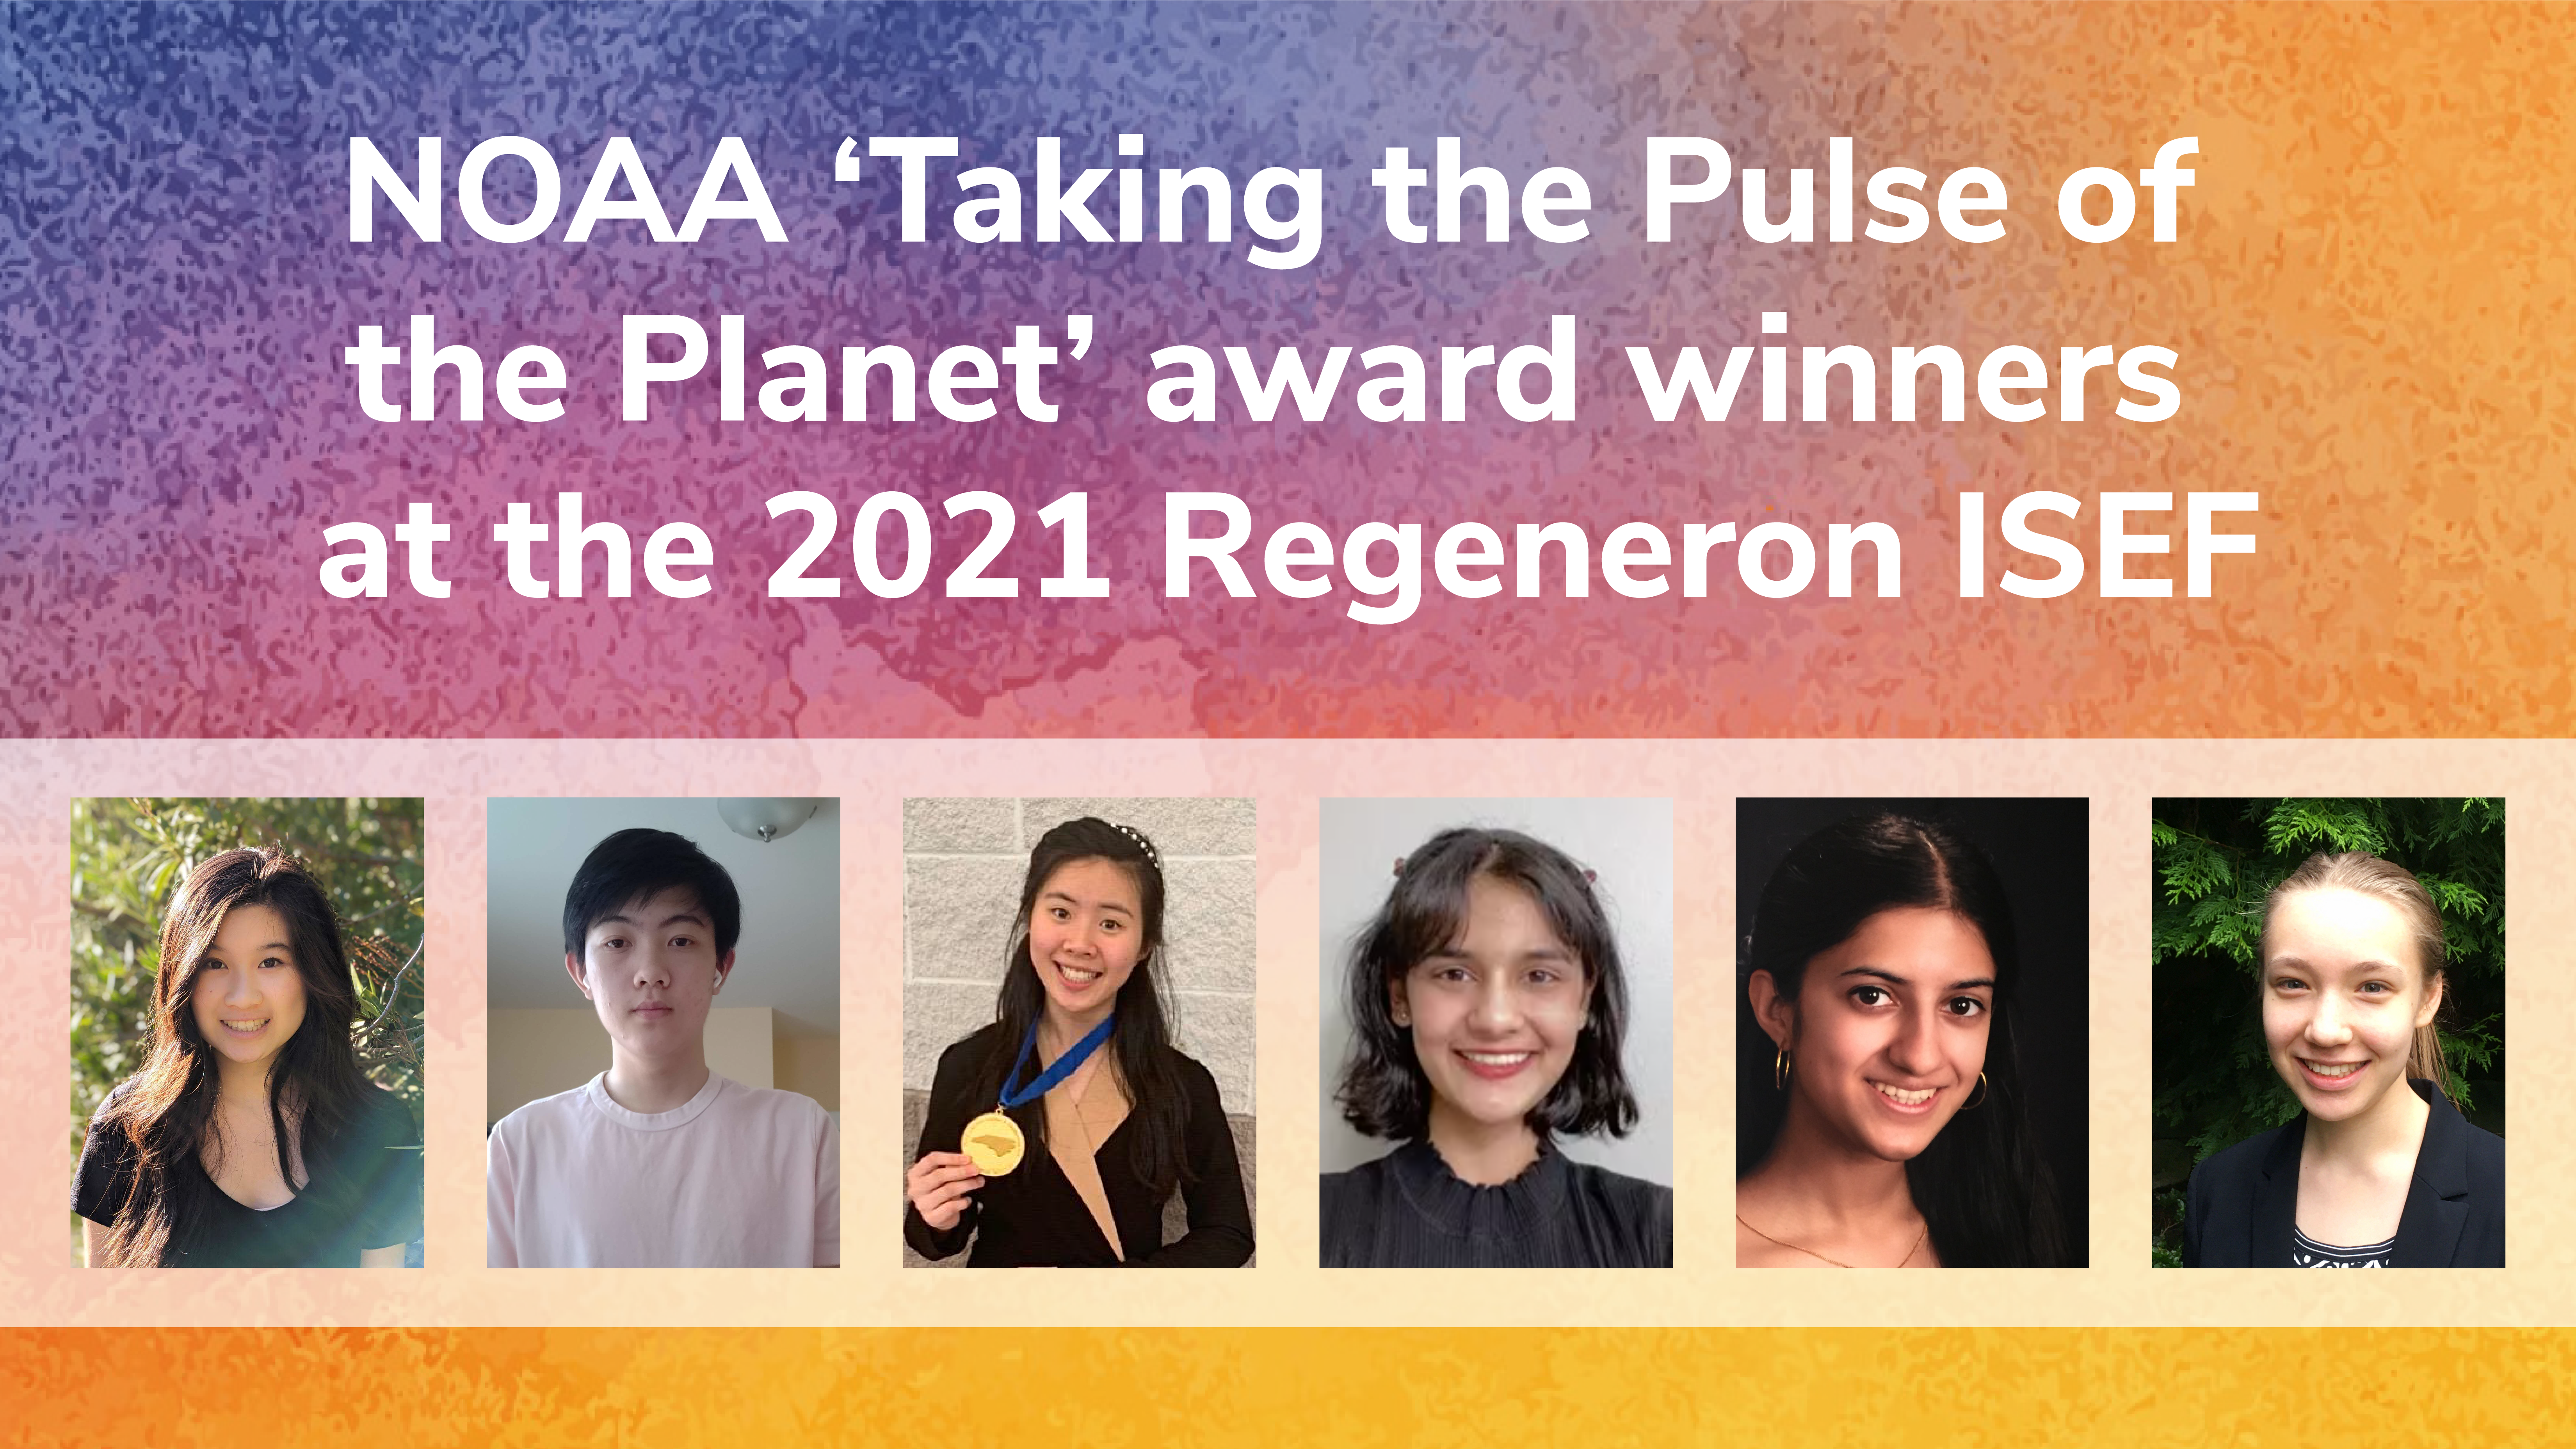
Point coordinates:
[[736, 1177]]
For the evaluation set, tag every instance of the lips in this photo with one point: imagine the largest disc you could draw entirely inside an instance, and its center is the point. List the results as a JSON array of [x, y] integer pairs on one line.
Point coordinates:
[[1495, 1066], [1075, 976], [250, 1026], [2331, 1076], [1906, 1099], [653, 1010]]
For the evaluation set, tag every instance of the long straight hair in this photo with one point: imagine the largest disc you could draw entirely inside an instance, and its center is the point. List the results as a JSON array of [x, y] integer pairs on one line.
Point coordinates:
[[1141, 1041], [1983, 1189], [166, 1112]]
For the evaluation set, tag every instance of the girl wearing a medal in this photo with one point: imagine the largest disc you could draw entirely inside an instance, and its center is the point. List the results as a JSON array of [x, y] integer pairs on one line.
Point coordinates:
[[1056, 1135]]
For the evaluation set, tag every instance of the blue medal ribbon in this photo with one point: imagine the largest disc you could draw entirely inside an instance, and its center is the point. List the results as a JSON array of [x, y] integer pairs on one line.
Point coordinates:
[[1064, 1067]]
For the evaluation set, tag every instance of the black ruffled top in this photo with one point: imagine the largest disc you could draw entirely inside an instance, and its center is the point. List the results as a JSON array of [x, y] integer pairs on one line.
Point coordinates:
[[1408, 1210]]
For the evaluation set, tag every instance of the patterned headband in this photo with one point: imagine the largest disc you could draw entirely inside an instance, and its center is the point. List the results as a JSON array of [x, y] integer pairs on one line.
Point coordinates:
[[1147, 846]]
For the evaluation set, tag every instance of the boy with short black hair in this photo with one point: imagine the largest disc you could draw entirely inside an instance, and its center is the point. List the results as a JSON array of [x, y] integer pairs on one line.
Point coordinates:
[[658, 1162]]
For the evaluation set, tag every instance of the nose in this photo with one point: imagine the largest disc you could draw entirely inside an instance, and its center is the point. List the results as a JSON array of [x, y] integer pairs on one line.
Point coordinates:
[[650, 970], [1082, 938], [1916, 1050], [1497, 1008], [2328, 1026], [240, 987]]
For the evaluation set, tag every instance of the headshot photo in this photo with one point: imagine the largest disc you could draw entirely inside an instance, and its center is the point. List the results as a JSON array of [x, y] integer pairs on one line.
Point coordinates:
[[1911, 1046], [246, 1033], [2329, 1033], [664, 1034], [1496, 991], [1078, 1029]]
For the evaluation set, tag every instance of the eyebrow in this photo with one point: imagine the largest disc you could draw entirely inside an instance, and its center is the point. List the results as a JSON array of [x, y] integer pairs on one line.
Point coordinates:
[[1893, 979], [2379, 968], [620, 918], [1536, 953], [213, 948], [1075, 901]]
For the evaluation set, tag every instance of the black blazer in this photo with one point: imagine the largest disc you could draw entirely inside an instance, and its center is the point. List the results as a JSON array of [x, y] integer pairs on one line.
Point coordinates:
[[2245, 1200]]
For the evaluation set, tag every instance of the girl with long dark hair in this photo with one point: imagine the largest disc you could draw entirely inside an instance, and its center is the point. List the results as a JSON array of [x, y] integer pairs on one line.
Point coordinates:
[[252, 1137], [1881, 1111], [1056, 1135]]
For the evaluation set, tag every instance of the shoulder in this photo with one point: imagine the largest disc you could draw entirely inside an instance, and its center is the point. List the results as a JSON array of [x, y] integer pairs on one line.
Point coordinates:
[[379, 1116], [2235, 1169], [1196, 1079], [542, 1115], [1351, 1204], [110, 1107], [1637, 1211], [788, 1111], [1619, 1189], [969, 1052], [2483, 1149], [1357, 1187]]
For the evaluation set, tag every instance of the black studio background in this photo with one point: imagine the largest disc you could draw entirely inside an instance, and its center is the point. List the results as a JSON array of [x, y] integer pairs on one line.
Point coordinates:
[[2042, 849]]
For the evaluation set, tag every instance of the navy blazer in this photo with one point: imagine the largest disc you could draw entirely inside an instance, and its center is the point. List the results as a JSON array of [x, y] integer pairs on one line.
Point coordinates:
[[2245, 1200]]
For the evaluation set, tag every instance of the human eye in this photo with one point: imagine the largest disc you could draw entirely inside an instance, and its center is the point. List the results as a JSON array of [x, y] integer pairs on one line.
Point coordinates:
[[1965, 1006], [210, 964], [1112, 924], [271, 963], [2288, 985], [683, 942], [1872, 996]]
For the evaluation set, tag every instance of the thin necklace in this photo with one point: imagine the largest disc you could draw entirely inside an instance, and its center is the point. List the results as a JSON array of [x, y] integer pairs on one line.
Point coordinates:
[[1837, 1262]]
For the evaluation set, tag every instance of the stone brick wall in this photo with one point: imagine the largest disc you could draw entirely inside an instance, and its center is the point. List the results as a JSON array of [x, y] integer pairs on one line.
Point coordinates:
[[963, 863]]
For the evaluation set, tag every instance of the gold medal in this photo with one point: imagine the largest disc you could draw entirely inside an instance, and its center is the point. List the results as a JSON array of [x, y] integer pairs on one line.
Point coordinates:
[[994, 1143]]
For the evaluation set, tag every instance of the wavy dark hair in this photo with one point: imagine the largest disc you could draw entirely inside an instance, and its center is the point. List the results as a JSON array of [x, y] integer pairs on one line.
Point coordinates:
[[1141, 1042], [1982, 1186], [1384, 1092], [165, 1112]]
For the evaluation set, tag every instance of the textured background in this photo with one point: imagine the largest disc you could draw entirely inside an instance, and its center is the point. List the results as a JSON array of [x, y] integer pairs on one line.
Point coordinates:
[[2371, 298], [1934, 1388]]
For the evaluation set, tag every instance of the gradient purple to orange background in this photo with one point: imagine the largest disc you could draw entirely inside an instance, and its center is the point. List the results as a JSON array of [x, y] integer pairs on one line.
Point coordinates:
[[2369, 296]]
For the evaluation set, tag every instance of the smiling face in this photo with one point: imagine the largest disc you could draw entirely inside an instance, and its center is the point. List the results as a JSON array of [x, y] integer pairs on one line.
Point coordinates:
[[1495, 1014], [1085, 937], [651, 971], [247, 996], [2343, 995], [1888, 1032]]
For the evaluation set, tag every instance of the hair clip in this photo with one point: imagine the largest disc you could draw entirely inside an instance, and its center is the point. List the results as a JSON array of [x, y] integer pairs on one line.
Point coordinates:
[[1399, 867], [1147, 846]]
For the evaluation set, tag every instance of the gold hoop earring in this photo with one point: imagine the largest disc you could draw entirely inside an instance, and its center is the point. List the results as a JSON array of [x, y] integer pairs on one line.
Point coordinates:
[[1983, 1092], [1780, 1071]]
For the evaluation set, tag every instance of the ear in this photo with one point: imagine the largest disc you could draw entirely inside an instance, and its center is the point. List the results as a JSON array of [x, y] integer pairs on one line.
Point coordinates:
[[572, 968], [724, 969], [2432, 999], [1398, 1008], [1777, 1014]]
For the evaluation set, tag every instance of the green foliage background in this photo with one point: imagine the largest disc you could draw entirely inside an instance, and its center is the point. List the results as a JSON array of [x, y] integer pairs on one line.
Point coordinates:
[[129, 854], [2215, 861]]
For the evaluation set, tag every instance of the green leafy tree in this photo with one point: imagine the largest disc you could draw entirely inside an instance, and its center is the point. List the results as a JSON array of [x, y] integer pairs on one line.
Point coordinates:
[[2215, 861], [128, 855]]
